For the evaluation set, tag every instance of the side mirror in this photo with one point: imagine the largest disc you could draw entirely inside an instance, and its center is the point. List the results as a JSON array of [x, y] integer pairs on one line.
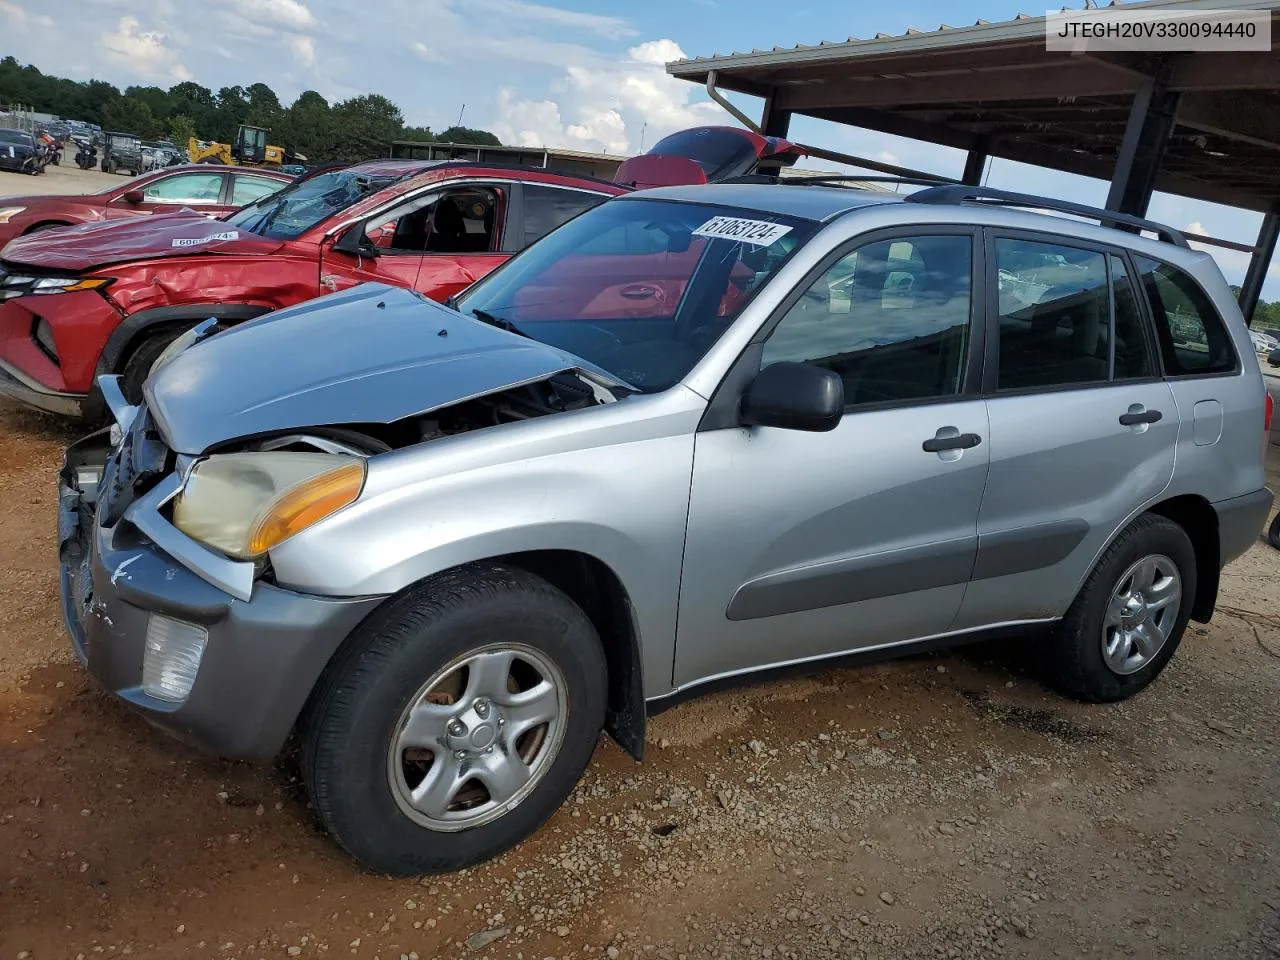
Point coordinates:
[[134, 196], [794, 396], [354, 242]]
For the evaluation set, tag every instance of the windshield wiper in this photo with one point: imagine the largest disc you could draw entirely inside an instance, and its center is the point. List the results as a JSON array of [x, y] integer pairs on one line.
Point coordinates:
[[493, 320]]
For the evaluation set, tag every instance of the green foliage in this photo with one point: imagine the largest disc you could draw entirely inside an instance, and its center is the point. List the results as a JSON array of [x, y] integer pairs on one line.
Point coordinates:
[[130, 115], [418, 135], [181, 128], [363, 127], [469, 135], [356, 129]]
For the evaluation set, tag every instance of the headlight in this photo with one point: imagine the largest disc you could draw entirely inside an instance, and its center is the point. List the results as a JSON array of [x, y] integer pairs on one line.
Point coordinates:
[[8, 213], [16, 285], [245, 503]]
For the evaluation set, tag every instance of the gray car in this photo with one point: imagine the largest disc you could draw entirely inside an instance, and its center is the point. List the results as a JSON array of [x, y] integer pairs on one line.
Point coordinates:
[[693, 434]]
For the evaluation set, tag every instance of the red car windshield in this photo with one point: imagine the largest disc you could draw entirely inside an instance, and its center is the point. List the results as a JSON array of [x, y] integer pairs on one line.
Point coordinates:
[[639, 288], [301, 205]]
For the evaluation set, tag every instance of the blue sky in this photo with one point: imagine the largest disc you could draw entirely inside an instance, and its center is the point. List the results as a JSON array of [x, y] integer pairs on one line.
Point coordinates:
[[573, 73]]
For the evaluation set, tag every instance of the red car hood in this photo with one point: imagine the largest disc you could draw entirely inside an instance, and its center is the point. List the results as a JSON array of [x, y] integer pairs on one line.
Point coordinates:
[[180, 234]]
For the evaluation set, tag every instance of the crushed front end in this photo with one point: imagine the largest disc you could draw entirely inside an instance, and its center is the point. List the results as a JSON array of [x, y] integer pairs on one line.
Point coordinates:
[[204, 646]]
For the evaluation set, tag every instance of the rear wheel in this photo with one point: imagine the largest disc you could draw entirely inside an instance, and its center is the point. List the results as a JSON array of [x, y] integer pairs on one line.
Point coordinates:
[[1273, 532], [1130, 616], [455, 721]]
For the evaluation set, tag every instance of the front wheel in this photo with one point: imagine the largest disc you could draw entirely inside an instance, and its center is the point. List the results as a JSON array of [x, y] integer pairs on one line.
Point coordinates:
[[1273, 532], [455, 722], [1129, 616], [144, 356]]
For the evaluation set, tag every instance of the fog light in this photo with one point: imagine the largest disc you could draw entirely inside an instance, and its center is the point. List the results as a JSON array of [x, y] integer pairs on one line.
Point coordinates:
[[172, 657], [44, 339]]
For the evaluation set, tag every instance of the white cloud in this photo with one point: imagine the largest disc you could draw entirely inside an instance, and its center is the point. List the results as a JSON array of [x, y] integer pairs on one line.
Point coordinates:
[[886, 156], [425, 53], [146, 52], [14, 12], [284, 13], [303, 49], [605, 105], [522, 11]]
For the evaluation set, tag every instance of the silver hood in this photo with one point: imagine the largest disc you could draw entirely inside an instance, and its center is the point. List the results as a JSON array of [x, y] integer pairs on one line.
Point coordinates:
[[371, 354]]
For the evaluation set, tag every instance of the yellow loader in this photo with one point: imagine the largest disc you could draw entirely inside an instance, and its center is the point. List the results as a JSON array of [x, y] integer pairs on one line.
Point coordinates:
[[249, 150]]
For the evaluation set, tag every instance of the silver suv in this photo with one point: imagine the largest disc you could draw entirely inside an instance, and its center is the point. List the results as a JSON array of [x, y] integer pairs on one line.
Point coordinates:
[[694, 433]]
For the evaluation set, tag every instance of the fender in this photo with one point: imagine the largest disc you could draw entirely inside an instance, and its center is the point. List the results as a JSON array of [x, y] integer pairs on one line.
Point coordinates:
[[138, 325]]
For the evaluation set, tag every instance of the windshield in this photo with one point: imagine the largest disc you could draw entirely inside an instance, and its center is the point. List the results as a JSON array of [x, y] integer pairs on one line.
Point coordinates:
[[640, 288], [16, 136], [300, 206]]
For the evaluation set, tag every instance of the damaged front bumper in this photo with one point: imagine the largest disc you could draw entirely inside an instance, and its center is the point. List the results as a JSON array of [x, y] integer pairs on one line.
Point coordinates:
[[223, 668]]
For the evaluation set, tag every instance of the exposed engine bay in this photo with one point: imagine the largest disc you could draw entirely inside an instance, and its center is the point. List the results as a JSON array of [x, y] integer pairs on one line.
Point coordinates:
[[560, 393]]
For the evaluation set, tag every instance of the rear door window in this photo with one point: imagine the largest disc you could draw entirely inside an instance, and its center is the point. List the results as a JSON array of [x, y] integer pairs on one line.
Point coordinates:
[[246, 189], [545, 208], [1192, 336]]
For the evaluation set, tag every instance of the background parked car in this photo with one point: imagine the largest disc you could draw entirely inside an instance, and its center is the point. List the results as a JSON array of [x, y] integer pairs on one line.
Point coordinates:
[[432, 227], [211, 190], [122, 152], [19, 152]]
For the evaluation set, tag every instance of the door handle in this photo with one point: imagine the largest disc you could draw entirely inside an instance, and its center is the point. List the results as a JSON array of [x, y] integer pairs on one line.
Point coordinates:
[[638, 292], [961, 441], [1135, 417]]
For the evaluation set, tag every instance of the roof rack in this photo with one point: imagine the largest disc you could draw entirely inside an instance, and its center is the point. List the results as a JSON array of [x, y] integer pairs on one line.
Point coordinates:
[[835, 179], [958, 193]]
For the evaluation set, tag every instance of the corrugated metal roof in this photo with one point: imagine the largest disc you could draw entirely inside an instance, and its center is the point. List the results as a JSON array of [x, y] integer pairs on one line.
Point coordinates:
[[1021, 27]]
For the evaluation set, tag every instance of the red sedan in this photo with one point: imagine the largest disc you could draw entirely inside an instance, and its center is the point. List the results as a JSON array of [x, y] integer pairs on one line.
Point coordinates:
[[210, 189]]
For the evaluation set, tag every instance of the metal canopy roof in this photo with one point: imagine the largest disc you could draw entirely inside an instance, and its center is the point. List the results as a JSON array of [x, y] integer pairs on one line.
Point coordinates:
[[993, 89]]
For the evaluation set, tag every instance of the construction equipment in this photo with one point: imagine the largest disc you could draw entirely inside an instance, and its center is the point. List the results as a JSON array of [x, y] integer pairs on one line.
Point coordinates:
[[249, 150]]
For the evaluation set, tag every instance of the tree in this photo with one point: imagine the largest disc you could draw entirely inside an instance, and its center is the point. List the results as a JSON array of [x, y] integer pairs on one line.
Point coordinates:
[[418, 135], [181, 129], [264, 106], [354, 129], [305, 127], [157, 100], [469, 135], [130, 115], [363, 127]]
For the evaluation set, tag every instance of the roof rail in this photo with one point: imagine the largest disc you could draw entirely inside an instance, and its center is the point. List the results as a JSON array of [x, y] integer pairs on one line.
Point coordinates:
[[828, 180], [958, 193]]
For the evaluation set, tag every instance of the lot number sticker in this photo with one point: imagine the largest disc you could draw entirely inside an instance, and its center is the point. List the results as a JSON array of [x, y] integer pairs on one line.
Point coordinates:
[[758, 232], [197, 241]]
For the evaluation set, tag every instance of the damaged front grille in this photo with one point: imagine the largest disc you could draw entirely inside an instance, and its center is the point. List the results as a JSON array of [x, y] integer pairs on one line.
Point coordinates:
[[134, 467]]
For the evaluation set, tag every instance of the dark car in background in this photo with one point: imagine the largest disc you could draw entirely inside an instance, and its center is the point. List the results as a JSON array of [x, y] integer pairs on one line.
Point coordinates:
[[19, 152], [122, 152]]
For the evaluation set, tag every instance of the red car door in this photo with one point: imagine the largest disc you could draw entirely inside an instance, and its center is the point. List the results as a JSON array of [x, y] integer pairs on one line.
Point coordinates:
[[437, 243]]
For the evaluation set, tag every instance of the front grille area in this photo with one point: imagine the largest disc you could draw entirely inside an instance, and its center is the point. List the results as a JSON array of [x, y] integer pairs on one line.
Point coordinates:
[[137, 464]]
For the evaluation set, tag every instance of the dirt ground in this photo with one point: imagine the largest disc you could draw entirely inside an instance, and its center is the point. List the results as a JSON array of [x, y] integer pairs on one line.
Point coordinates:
[[945, 806], [64, 178]]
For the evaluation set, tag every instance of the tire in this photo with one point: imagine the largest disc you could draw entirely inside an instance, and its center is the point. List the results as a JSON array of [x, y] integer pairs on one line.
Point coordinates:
[[138, 367], [1273, 532], [358, 709], [1079, 666]]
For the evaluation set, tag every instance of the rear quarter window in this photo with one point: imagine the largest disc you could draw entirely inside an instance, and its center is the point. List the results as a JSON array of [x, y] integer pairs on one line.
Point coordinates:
[[1192, 336]]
